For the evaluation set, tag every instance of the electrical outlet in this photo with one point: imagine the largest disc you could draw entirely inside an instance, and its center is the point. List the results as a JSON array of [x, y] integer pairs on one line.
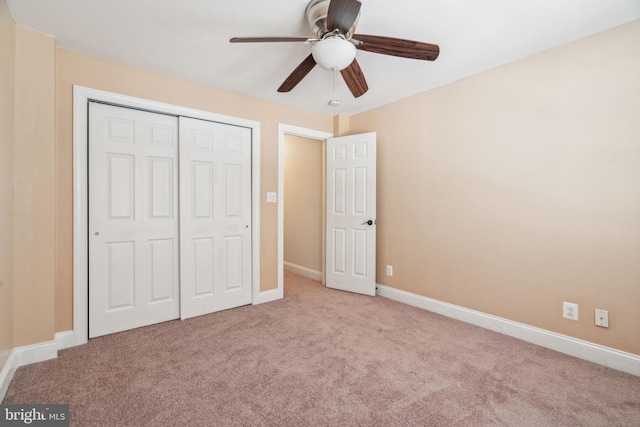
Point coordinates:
[[602, 318], [389, 270], [570, 310]]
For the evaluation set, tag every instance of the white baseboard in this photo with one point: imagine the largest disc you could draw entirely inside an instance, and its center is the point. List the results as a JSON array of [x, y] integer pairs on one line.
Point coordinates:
[[65, 339], [21, 356], [6, 373], [303, 271], [26, 355], [36, 353], [606, 356]]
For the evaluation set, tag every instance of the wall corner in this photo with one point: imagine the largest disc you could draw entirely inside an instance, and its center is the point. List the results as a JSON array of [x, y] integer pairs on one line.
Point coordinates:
[[341, 125]]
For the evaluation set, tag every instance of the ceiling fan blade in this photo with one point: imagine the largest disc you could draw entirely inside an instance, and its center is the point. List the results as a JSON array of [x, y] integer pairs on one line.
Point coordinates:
[[397, 47], [298, 74], [342, 14], [354, 78], [268, 39]]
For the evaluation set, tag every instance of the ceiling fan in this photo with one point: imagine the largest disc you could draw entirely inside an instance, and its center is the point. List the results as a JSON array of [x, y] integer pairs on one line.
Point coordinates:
[[334, 48]]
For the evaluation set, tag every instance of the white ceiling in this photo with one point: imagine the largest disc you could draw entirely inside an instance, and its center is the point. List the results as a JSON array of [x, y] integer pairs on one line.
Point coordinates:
[[190, 39]]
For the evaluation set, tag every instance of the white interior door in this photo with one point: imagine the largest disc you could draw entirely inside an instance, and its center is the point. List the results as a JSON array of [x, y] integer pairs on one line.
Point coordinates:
[[215, 217], [351, 213], [133, 219]]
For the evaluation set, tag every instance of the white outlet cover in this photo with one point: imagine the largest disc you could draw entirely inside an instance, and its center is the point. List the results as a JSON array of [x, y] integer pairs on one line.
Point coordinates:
[[570, 310]]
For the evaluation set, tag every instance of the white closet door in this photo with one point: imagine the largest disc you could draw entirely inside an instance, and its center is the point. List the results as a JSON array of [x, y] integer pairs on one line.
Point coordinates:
[[215, 217], [133, 219]]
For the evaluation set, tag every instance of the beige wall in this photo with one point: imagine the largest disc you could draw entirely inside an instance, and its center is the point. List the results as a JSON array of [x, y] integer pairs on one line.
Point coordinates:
[[519, 188], [74, 68], [7, 67], [34, 219], [303, 202]]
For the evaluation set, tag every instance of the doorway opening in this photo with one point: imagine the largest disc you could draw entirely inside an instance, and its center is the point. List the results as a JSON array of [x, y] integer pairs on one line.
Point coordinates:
[[304, 206], [305, 145]]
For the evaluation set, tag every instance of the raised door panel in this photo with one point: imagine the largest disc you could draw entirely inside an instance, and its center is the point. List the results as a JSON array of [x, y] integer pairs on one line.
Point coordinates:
[[163, 270], [339, 251], [203, 267], [121, 280], [201, 192], [161, 187], [120, 186]]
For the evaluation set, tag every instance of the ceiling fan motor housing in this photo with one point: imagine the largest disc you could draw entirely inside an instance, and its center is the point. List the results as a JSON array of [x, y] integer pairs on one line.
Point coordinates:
[[317, 18]]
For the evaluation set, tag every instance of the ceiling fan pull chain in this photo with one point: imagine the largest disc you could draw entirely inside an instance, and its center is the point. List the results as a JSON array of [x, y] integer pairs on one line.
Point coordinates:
[[335, 72]]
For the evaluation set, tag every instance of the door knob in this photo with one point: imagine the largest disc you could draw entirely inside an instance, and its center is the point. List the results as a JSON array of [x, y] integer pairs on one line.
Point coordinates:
[[370, 222]]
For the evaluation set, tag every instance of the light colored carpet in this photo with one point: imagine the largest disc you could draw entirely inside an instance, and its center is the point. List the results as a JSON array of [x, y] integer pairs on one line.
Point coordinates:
[[325, 357]]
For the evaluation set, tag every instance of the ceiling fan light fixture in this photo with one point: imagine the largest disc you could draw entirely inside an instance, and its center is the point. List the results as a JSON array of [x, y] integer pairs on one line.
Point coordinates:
[[333, 53]]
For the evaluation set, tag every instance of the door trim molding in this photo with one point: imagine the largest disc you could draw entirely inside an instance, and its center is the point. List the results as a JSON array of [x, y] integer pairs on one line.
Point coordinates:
[[284, 129], [81, 96]]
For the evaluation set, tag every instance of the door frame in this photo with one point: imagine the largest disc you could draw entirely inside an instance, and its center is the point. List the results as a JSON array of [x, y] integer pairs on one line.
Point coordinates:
[[81, 97], [284, 129]]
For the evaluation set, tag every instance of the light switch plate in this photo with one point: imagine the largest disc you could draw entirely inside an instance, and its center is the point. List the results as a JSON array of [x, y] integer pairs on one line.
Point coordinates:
[[272, 197]]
